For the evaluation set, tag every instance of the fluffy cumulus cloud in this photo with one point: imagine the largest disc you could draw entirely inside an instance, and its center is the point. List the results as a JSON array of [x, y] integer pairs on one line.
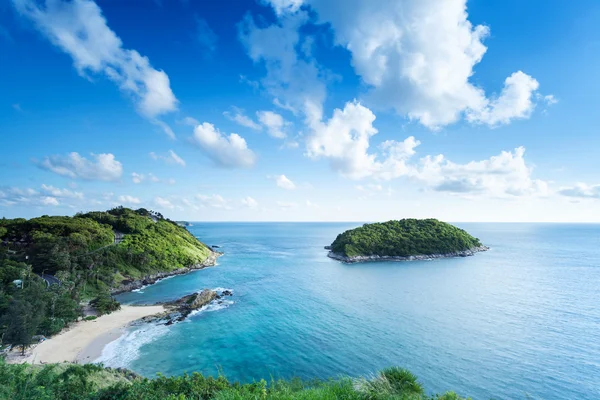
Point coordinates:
[[506, 174], [127, 199], [581, 190], [284, 182], [79, 29], [230, 151], [170, 158], [274, 123], [344, 141], [415, 56], [102, 167]]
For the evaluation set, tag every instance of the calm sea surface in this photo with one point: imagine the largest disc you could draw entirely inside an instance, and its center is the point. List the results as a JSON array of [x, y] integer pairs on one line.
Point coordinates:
[[519, 321]]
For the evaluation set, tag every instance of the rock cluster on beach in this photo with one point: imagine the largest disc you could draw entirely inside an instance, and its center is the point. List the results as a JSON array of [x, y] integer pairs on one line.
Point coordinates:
[[355, 259]]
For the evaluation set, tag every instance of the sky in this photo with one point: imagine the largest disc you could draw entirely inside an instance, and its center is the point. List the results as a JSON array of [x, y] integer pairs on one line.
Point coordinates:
[[302, 110]]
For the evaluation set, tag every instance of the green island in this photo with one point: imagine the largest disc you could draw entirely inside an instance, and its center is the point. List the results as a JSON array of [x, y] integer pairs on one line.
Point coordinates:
[[94, 382], [405, 239], [52, 267]]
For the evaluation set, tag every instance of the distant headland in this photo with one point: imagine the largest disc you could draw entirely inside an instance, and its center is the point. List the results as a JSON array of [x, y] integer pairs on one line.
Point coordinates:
[[404, 240]]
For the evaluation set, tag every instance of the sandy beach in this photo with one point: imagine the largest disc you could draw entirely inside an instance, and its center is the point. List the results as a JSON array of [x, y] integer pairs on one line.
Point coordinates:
[[85, 340]]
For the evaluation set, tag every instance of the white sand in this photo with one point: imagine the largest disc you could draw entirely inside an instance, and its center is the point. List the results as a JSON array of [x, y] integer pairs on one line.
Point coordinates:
[[85, 340]]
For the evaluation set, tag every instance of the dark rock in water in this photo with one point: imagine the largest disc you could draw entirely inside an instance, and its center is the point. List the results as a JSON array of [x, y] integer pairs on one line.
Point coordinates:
[[327, 247], [214, 246], [227, 292]]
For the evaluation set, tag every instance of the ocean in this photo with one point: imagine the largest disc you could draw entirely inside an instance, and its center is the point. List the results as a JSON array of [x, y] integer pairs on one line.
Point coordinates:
[[520, 321]]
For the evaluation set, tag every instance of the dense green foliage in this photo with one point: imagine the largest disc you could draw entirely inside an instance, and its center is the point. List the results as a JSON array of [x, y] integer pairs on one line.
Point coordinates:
[[66, 382], [30, 307], [89, 254], [406, 237]]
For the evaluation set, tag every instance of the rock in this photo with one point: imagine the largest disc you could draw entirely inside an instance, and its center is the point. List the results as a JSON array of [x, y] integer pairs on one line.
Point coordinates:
[[354, 259], [227, 292], [327, 247], [214, 246]]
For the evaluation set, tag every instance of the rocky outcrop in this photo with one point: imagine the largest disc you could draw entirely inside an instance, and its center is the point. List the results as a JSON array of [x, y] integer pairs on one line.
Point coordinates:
[[129, 285], [355, 259], [179, 310]]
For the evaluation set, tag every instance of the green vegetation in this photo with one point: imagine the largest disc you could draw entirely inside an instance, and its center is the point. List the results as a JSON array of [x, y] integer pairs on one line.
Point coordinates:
[[66, 382], [89, 254], [406, 237]]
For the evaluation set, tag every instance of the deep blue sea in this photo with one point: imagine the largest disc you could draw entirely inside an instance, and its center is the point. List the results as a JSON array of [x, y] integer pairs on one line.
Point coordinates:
[[519, 321]]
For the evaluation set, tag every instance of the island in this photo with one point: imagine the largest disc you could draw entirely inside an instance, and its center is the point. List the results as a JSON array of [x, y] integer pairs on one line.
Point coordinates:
[[403, 240]]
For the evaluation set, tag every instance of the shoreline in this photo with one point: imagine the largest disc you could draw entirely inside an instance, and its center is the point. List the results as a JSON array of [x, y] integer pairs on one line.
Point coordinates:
[[357, 259], [85, 340], [210, 261]]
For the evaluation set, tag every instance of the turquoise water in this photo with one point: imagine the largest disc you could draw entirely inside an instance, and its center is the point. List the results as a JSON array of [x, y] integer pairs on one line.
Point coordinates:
[[522, 319]]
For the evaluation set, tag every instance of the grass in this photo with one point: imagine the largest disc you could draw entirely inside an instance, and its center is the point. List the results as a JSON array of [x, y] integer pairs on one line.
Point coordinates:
[[72, 381]]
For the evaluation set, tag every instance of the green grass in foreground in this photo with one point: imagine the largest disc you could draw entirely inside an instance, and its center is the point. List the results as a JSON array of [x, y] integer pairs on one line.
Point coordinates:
[[79, 382]]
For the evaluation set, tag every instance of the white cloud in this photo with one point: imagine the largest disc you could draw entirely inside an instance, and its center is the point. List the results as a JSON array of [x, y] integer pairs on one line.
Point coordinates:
[[189, 121], [137, 178], [48, 195], [163, 203], [249, 202], [213, 201], [344, 141], [240, 118], [416, 57], [126, 199], [284, 6], [227, 151], [274, 123], [49, 201], [64, 193], [515, 101], [581, 190], [165, 127], [295, 82], [103, 167], [170, 158], [80, 30], [284, 182], [550, 99], [506, 174]]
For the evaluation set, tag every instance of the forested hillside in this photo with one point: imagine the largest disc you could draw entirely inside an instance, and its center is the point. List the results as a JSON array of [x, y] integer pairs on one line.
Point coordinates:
[[87, 254]]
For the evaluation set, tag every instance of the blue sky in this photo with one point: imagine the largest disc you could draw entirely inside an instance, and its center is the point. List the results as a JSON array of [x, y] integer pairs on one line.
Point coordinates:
[[302, 110]]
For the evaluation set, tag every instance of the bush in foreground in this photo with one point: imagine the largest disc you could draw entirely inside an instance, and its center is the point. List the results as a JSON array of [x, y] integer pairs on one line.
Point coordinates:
[[71, 381]]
